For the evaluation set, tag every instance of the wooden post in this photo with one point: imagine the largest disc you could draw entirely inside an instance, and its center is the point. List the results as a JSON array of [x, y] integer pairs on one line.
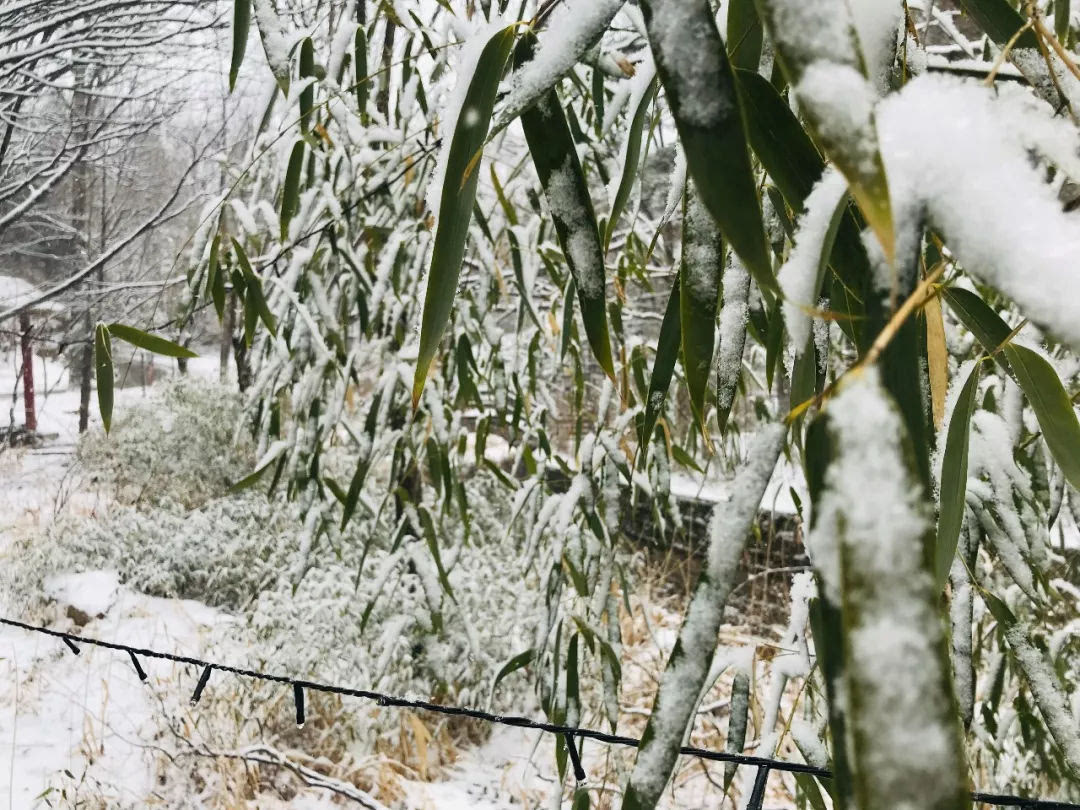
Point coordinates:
[[28, 370]]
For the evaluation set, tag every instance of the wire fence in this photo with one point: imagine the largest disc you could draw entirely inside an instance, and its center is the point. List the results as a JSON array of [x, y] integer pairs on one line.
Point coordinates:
[[764, 765]]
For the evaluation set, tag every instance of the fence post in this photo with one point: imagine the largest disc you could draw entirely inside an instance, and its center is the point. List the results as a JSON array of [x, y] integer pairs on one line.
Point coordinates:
[[757, 796]]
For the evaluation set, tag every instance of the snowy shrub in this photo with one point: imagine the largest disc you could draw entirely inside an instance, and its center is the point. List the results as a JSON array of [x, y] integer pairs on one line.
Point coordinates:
[[174, 448]]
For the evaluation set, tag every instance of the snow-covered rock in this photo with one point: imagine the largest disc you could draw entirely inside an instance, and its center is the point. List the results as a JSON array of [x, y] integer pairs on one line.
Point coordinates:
[[84, 596]]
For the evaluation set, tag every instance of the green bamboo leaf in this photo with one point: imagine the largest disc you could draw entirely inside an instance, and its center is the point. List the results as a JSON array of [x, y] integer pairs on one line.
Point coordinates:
[[215, 277], [519, 661], [307, 95], [457, 196], [744, 35], [704, 100], [631, 157], [987, 326], [360, 71], [240, 27], [1061, 21], [699, 296], [433, 546], [809, 787], [1053, 408], [103, 367], [557, 165], [273, 453], [255, 302], [667, 351], [954, 467], [1000, 21], [363, 463], [778, 139], [290, 196], [152, 343]]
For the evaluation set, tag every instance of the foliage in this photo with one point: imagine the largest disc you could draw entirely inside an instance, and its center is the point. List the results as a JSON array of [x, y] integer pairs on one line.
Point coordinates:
[[416, 296]]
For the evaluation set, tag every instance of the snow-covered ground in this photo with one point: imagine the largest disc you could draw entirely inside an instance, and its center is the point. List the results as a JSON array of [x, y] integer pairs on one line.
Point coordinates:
[[75, 728]]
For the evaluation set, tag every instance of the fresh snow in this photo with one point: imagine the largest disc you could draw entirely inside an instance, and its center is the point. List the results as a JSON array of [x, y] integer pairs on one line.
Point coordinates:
[[799, 278]]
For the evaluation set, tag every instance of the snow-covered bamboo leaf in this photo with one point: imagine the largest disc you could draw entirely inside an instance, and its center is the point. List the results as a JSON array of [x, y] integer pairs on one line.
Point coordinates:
[[700, 271], [290, 193], [1046, 689], [803, 274], [457, 190], [557, 165], [1052, 406], [103, 373], [275, 45], [152, 343], [737, 722], [240, 25], [954, 467], [688, 664], [432, 540], [667, 352], [704, 100], [573, 28], [729, 355], [273, 453], [817, 49], [868, 546], [631, 154]]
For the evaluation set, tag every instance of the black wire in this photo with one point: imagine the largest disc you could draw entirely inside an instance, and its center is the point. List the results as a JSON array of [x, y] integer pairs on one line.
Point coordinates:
[[382, 699]]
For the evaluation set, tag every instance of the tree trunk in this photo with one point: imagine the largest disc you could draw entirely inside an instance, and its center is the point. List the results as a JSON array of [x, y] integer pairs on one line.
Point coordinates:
[[28, 371]]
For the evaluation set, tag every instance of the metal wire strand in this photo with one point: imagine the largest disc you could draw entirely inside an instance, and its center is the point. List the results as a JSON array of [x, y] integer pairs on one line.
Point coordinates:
[[478, 714]]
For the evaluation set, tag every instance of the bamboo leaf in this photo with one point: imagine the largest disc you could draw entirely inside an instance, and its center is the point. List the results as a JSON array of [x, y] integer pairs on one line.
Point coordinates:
[[667, 351], [519, 661], [255, 302], [1052, 406], [273, 453], [631, 157], [779, 140], [555, 157], [103, 368], [152, 343], [937, 359], [241, 25], [854, 145], [699, 295], [290, 195], [457, 196], [744, 35], [215, 278], [1000, 21], [307, 95], [275, 45], [705, 103], [954, 467], [360, 69]]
